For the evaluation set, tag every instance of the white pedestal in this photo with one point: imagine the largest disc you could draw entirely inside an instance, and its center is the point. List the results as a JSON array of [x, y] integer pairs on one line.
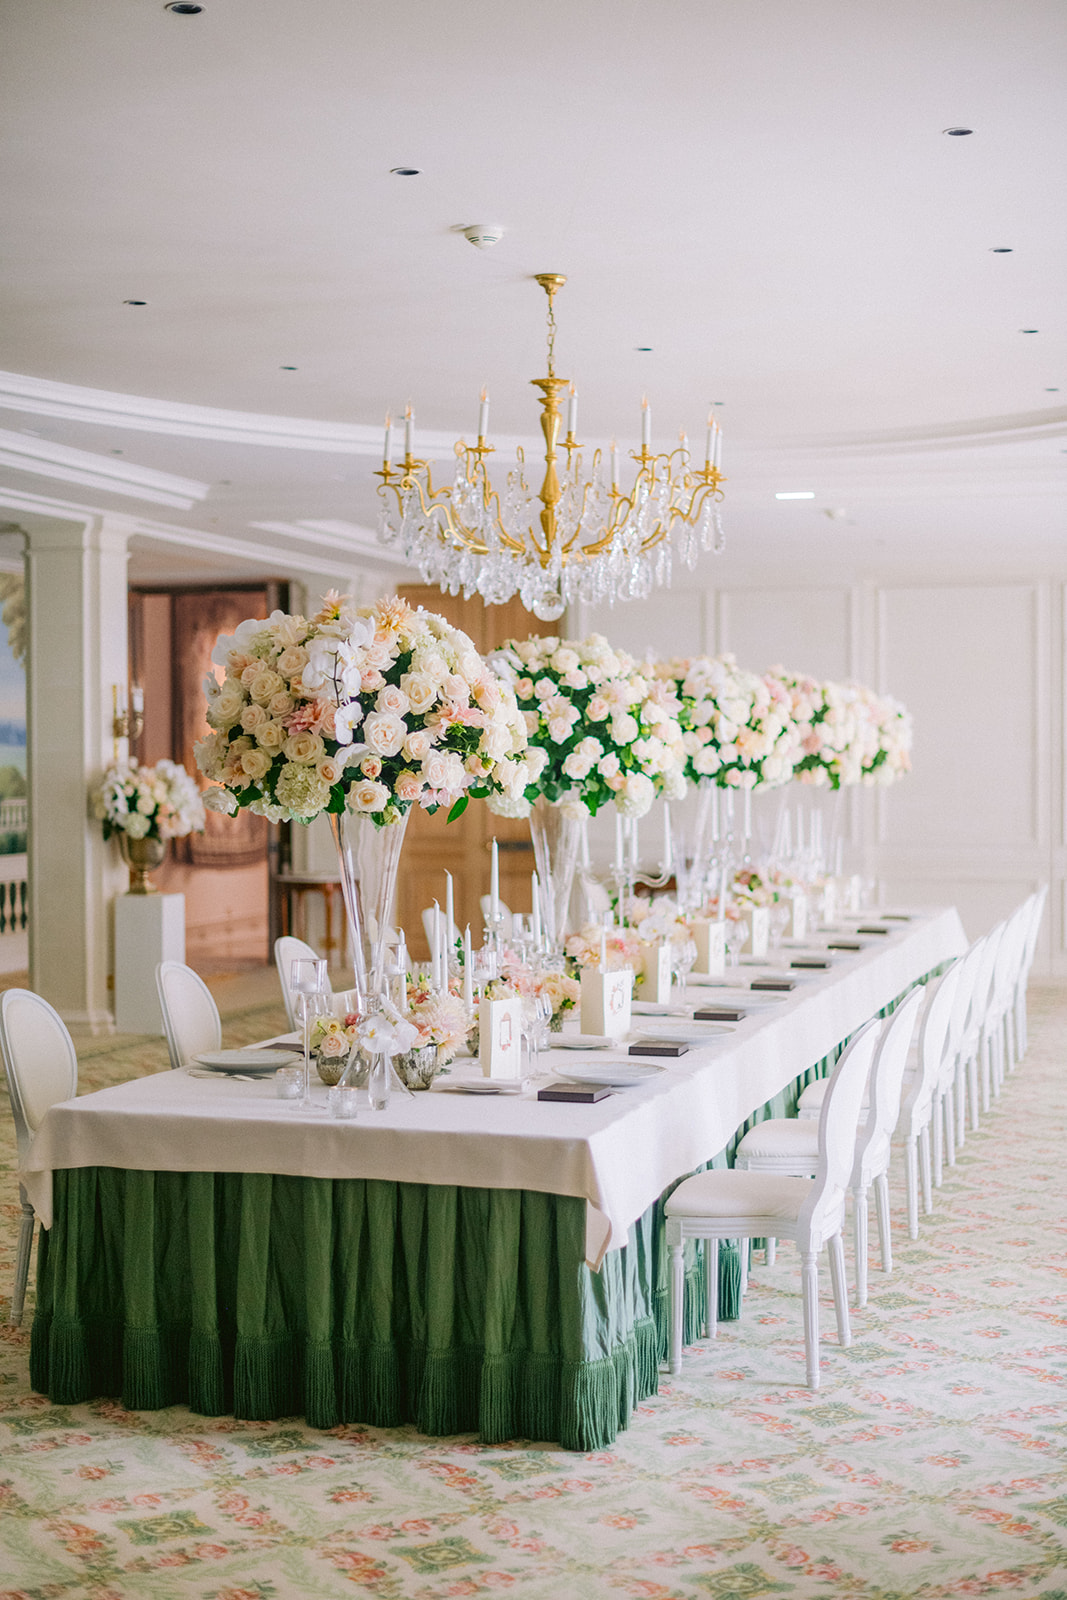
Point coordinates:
[[149, 928]]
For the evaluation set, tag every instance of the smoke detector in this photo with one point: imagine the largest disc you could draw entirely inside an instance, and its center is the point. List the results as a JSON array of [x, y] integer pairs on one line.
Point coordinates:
[[483, 235]]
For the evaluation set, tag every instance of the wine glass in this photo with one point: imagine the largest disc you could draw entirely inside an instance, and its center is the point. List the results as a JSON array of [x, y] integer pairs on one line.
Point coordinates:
[[307, 977], [683, 960], [736, 936], [779, 922]]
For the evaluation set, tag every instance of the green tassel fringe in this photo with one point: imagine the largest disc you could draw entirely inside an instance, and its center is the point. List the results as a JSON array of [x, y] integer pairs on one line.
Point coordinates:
[[263, 1386], [68, 1363], [207, 1391], [320, 1385]]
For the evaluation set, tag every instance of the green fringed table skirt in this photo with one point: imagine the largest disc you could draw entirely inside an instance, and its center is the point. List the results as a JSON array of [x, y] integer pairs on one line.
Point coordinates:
[[359, 1301]]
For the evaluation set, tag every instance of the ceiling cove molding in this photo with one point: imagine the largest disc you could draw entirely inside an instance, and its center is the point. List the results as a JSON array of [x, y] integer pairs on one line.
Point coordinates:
[[255, 553], [72, 403], [46, 459], [1021, 428], [362, 542]]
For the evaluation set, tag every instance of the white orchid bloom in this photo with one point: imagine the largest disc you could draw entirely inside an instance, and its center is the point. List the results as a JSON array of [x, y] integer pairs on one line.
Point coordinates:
[[345, 718]]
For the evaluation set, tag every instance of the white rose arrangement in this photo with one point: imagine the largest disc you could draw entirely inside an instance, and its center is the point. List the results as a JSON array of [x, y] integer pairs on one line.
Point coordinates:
[[737, 728], [600, 727], [160, 802], [379, 708]]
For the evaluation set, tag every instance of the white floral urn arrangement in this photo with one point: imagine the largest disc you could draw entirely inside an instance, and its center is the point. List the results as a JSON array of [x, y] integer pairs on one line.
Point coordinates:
[[144, 807]]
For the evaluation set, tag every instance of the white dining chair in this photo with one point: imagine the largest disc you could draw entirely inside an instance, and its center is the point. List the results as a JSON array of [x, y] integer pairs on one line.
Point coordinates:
[[997, 1027], [190, 1016], [974, 1037], [42, 1069], [743, 1205], [918, 1105], [1037, 912], [288, 949], [789, 1145]]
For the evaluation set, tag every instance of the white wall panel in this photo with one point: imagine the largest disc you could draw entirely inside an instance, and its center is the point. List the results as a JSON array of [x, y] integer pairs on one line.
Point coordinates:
[[806, 630], [966, 663], [668, 623]]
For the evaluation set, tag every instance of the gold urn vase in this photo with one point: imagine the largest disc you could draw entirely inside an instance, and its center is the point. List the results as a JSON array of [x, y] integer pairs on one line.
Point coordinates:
[[142, 856]]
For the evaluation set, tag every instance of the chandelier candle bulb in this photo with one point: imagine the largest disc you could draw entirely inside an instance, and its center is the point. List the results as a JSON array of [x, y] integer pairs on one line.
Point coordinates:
[[483, 417], [614, 465], [409, 430], [709, 448], [137, 699], [716, 459], [572, 413], [387, 447], [646, 424]]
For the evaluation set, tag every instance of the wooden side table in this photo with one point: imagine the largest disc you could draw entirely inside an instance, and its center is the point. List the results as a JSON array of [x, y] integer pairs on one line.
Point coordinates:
[[293, 889]]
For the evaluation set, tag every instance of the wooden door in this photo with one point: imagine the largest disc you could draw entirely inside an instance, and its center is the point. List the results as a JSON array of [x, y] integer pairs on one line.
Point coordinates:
[[434, 846]]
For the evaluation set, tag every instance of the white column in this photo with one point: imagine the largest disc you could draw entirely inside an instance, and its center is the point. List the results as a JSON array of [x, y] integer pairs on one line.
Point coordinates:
[[76, 602]]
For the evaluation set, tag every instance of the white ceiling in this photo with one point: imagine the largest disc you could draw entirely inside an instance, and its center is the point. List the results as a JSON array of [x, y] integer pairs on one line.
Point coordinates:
[[758, 189]]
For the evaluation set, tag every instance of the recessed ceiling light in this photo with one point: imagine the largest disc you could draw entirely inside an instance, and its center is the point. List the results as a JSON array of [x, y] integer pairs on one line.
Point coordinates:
[[118, 452], [1052, 391], [288, 369], [404, 172], [718, 402], [795, 494], [183, 8], [135, 302], [1001, 250], [645, 349], [1029, 330], [957, 133]]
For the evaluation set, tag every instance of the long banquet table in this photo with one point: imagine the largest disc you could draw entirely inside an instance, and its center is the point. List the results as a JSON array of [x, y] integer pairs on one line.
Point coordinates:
[[463, 1263]]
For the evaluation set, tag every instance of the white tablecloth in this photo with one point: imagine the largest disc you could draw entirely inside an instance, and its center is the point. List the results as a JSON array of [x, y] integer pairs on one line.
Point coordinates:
[[619, 1154]]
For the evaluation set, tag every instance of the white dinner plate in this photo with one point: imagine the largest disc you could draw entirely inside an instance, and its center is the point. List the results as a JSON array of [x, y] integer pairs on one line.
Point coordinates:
[[689, 1031], [612, 1075], [479, 1086], [581, 1041], [244, 1060], [653, 1008]]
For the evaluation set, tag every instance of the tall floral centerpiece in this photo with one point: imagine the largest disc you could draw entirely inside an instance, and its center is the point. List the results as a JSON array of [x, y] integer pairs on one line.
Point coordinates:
[[359, 713], [601, 730], [144, 807]]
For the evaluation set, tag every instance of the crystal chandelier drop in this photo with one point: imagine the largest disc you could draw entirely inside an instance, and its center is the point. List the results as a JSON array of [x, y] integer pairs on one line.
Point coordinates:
[[574, 537]]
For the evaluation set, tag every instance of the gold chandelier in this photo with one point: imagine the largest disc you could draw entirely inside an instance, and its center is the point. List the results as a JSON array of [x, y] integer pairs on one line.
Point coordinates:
[[573, 538]]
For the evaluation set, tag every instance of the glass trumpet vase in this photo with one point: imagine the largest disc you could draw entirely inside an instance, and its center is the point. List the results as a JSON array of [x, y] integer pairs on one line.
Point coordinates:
[[368, 859], [556, 840]]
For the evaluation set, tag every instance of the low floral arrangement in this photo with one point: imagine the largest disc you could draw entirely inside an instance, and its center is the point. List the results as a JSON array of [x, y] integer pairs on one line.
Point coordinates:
[[561, 990], [622, 946], [440, 1017], [160, 802], [377, 707], [737, 728], [332, 1038], [600, 728]]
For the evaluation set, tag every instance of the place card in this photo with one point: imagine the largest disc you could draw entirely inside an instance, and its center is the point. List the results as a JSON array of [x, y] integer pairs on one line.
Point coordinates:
[[606, 1000], [759, 933], [814, 963], [710, 940], [843, 944], [659, 1047], [500, 1037], [719, 1014], [654, 978], [772, 983], [872, 929]]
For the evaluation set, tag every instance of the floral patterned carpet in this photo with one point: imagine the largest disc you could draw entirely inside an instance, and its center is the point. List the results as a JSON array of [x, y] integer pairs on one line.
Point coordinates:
[[930, 1464]]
